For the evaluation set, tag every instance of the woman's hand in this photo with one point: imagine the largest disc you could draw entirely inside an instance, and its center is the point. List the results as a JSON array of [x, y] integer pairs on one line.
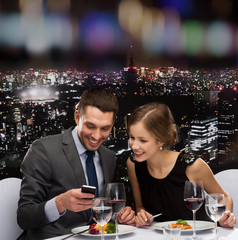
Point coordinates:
[[141, 218], [127, 216], [228, 220]]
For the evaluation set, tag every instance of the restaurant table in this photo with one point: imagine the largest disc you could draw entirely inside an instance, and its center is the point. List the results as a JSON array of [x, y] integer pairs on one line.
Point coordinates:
[[149, 233]]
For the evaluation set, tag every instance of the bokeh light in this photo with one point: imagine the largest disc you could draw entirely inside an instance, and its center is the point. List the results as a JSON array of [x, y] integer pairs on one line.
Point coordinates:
[[131, 15], [219, 38], [165, 28], [192, 35], [99, 32], [153, 31], [11, 33], [185, 8], [172, 43]]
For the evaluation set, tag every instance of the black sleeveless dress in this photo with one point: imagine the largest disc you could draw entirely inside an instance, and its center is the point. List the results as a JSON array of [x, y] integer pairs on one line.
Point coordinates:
[[166, 195]]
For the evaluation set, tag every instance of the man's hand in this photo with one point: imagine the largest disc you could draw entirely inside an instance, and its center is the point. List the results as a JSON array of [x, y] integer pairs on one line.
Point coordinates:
[[228, 220], [127, 216], [74, 200]]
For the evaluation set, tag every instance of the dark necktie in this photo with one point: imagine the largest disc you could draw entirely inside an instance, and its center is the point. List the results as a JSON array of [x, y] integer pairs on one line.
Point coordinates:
[[91, 171]]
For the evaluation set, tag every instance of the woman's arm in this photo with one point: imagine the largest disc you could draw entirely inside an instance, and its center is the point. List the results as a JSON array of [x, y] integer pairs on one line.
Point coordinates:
[[142, 214], [134, 184], [199, 170]]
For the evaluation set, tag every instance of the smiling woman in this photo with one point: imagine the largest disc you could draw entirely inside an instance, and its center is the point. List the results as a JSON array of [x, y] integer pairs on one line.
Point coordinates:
[[158, 174]]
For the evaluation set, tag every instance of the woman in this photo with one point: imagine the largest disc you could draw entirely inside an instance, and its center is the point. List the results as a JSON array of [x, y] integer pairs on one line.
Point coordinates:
[[157, 174]]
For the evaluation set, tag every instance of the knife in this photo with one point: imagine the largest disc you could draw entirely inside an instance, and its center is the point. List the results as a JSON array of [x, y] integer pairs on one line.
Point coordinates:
[[75, 234]]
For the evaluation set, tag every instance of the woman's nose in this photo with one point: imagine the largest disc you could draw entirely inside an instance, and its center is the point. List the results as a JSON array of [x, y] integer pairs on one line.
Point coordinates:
[[134, 145]]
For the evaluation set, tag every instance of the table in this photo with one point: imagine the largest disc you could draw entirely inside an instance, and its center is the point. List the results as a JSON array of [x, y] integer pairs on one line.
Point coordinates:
[[148, 233]]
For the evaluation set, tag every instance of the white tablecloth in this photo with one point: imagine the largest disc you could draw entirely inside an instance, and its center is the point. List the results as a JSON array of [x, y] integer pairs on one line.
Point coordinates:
[[149, 233]]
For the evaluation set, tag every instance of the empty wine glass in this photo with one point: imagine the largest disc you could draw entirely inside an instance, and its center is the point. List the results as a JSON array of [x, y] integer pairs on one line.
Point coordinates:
[[117, 195], [215, 206], [193, 198], [102, 212]]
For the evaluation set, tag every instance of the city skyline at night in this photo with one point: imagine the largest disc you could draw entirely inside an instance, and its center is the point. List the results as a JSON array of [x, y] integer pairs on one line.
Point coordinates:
[[198, 99]]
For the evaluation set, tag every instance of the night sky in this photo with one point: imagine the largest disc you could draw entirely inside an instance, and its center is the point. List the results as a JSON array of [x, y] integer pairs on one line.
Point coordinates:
[[97, 35]]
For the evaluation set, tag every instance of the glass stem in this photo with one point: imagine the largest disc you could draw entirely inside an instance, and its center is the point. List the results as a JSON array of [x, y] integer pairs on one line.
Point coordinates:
[[194, 225], [102, 232], [116, 223], [215, 230]]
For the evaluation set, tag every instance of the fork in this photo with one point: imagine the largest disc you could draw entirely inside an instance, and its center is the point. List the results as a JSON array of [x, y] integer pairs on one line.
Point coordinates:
[[154, 216]]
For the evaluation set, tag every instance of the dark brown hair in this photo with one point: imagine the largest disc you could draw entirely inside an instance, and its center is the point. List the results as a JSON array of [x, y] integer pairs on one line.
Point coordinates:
[[100, 98], [158, 120]]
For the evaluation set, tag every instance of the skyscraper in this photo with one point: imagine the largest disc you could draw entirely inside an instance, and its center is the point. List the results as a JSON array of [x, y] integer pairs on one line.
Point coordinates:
[[203, 138], [131, 76], [227, 120]]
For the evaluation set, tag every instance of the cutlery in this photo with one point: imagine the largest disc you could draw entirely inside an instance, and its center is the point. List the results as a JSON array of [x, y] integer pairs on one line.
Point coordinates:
[[75, 234], [153, 217]]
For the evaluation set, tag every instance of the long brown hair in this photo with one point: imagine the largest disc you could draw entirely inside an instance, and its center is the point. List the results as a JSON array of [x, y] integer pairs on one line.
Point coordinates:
[[158, 120]]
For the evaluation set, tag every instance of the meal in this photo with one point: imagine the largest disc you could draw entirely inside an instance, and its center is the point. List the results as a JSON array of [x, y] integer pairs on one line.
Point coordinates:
[[181, 223], [108, 228]]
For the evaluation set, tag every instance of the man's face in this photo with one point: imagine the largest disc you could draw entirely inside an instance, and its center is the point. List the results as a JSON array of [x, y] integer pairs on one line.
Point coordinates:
[[94, 127]]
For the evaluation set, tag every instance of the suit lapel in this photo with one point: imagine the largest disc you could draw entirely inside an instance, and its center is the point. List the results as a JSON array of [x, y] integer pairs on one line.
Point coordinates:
[[105, 165], [71, 154]]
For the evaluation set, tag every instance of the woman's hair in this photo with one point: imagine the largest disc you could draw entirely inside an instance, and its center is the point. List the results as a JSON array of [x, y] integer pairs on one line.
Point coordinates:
[[158, 120], [100, 98]]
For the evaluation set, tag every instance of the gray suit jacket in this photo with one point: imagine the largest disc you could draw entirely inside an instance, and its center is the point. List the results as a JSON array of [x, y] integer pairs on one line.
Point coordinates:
[[51, 167]]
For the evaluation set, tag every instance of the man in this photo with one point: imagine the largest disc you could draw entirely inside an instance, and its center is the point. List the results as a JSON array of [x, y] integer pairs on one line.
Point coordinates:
[[55, 167]]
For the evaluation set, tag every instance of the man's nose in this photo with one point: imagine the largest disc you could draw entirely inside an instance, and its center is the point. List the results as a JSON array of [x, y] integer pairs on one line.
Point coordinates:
[[96, 134]]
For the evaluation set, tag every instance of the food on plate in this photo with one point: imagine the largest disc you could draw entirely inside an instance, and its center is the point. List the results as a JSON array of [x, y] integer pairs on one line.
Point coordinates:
[[108, 228], [111, 227], [181, 223]]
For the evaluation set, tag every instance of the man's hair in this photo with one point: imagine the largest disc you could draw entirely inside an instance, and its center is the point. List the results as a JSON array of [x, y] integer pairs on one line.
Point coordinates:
[[101, 98]]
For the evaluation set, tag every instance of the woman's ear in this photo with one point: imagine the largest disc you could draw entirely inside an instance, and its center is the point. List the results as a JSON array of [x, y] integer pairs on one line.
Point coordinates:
[[160, 144]]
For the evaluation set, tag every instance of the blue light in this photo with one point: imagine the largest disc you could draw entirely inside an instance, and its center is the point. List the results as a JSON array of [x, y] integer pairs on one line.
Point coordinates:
[[184, 7], [99, 32]]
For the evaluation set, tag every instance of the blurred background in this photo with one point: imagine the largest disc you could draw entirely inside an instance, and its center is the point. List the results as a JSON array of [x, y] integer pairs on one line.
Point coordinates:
[[94, 35]]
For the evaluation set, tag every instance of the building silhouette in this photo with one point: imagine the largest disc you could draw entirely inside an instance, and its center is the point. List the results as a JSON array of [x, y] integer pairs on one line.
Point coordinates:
[[227, 121], [131, 76], [203, 135]]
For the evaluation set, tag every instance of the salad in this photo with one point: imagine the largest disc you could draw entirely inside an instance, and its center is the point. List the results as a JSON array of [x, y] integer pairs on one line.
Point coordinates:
[[181, 223], [97, 229]]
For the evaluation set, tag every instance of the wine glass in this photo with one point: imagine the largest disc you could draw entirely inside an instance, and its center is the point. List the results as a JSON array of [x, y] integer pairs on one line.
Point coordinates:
[[117, 195], [101, 212], [215, 206], [193, 198]]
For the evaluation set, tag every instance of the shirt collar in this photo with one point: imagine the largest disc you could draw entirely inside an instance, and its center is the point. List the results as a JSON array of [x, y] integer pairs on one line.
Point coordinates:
[[81, 149]]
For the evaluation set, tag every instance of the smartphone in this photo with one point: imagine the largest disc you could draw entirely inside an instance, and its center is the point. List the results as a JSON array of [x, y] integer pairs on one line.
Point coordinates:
[[89, 189]]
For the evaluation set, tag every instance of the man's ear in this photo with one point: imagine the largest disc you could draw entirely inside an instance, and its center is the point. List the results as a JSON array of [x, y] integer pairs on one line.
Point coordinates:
[[76, 116]]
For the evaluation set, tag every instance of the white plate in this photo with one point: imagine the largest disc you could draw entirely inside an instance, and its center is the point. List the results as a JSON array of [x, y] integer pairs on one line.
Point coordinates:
[[123, 229], [200, 225]]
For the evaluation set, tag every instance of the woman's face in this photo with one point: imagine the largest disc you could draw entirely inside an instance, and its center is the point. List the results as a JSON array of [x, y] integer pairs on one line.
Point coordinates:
[[142, 142]]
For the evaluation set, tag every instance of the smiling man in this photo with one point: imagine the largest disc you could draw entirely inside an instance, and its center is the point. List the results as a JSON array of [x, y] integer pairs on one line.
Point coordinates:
[[55, 167]]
